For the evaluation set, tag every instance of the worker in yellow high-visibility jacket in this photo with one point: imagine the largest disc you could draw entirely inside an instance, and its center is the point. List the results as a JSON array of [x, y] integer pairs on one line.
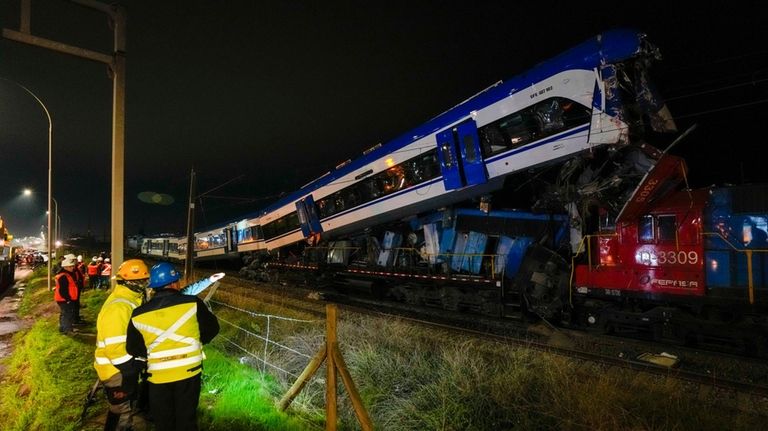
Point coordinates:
[[117, 369], [170, 331]]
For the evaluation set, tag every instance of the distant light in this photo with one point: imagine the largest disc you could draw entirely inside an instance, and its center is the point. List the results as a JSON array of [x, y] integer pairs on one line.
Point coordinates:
[[27, 192], [390, 162], [58, 243]]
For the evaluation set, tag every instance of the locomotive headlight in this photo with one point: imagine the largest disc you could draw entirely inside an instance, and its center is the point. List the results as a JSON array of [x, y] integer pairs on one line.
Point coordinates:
[[713, 264]]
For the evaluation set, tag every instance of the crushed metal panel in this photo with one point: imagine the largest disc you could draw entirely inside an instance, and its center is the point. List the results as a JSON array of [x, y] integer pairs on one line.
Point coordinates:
[[664, 177]]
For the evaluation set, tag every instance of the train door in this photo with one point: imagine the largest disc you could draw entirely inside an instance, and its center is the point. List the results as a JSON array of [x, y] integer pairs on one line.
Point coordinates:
[[308, 216], [461, 159], [165, 248], [231, 239]]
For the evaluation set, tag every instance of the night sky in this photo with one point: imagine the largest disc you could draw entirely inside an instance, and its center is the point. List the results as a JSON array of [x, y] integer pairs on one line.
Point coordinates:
[[274, 94]]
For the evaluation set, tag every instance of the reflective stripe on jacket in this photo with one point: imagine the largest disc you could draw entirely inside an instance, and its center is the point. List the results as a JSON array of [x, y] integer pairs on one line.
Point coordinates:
[[106, 270], [111, 327], [66, 287], [172, 338]]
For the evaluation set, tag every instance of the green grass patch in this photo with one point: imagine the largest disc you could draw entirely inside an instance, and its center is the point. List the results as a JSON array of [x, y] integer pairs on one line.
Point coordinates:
[[47, 378], [237, 397]]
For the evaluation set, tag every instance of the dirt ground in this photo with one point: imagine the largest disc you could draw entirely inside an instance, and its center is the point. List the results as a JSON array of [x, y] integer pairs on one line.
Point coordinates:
[[10, 322]]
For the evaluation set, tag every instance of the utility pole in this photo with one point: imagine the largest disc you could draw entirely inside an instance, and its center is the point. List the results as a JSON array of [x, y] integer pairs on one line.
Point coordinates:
[[188, 264], [116, 64]]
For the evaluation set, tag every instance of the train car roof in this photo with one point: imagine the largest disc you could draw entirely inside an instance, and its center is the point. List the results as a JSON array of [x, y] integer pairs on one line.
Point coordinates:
[[604, 48]]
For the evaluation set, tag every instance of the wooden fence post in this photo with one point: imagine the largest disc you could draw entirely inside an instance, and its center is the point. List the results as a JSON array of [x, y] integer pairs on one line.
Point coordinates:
[[310, 370], [330, 366], [334, 362]]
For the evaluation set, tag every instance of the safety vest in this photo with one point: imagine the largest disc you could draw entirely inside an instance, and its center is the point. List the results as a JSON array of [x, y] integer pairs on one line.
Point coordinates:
[[71, 287], [80, 268], [93, 269], [106, 270], [111, 327], [172, 337]]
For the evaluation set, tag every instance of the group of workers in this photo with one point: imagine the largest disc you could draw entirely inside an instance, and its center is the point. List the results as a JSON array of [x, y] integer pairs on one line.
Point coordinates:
[[70, 282], [99, 272], [149, 334]]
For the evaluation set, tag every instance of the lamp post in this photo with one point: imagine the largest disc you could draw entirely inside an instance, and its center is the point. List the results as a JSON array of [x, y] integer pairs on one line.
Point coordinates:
[[57, 226], [50, 168]]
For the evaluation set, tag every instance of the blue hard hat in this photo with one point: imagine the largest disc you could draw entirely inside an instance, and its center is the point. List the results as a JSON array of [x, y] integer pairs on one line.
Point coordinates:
[[162, 275]]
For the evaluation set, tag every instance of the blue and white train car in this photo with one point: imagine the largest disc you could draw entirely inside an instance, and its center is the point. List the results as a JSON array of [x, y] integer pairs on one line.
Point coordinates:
[[593, 95], [249, 235], [216, 243]]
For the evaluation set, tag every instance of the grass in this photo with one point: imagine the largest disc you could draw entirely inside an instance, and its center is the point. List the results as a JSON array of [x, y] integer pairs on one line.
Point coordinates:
[[237, 397], [408, 378]]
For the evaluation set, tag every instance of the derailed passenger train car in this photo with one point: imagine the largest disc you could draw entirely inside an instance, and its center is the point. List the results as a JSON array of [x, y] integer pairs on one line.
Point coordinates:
[[594, 96]]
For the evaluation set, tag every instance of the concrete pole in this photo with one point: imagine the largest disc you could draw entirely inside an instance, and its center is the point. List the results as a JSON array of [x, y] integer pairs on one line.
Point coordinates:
[[118, 136]]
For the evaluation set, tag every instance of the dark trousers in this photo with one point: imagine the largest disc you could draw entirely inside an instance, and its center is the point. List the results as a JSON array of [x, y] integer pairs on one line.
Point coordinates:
[[67, 316], [174, 405], [77, 305]]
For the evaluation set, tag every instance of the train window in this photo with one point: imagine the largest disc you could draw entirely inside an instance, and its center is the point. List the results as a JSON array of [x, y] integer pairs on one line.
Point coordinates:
[[549, 116], [469, 148], [217, 240], [535, 122], [645, 229], [244, 235], [667, 228], [409, 173], [445, 149], [282, 225]]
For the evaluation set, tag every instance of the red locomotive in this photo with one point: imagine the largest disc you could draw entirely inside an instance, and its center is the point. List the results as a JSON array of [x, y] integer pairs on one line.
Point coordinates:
[[679, 265]]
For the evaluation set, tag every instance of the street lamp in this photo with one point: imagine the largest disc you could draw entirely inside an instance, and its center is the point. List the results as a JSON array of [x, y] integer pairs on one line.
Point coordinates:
[[50, 167], [57, 230]]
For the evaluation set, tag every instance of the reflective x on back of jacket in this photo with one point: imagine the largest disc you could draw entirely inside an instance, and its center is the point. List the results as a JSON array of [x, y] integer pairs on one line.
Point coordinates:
[[111, 327], [172, 337]]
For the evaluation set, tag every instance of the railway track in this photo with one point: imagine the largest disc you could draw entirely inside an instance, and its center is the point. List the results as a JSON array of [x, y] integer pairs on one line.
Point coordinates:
[[708, 373]]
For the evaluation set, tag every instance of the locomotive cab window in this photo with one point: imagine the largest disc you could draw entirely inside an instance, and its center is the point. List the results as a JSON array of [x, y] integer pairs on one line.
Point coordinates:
[[645, 229], [651, 229], [667, 228]]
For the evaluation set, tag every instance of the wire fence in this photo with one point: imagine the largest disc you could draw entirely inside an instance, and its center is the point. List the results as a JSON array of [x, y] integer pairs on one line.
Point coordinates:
[[264, 336]]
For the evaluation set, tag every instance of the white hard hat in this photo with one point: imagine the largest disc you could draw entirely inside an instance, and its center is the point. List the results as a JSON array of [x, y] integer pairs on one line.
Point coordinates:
[[106, 260], [79, 257], [68, 262], [99, 258], [93, 258]]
